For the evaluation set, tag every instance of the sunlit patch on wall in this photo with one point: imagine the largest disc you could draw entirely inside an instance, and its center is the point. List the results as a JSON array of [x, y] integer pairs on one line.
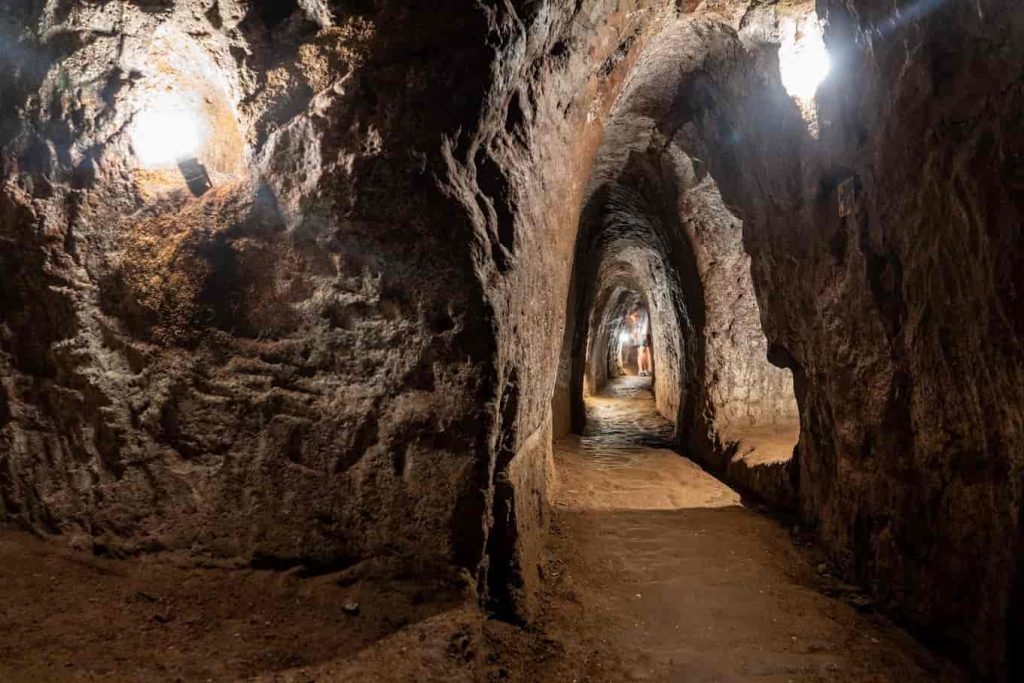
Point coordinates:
[[168, 127], [184, 132]]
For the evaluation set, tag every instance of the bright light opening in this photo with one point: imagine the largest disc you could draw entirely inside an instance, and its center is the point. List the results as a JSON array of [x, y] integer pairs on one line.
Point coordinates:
[[623, 337], [165, 130], [803, 60]]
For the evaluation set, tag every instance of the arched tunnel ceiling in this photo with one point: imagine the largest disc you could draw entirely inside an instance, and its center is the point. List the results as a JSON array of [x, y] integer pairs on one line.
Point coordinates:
[[639, 118]]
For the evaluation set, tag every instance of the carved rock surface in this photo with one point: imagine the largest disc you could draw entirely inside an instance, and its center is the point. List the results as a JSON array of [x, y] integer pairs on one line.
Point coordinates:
[[342, 351], [900, 321], [361, 341]]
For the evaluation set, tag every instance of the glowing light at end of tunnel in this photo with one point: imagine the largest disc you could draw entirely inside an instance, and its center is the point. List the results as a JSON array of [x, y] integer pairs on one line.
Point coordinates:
[[623, 337], [166, 130], [803, 60]]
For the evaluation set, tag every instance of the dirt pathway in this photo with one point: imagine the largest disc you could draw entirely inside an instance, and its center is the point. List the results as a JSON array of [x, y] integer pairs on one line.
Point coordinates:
[[660, 574], [68, 616]]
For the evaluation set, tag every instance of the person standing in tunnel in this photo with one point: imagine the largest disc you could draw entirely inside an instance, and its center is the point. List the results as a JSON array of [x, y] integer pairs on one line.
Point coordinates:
[[630, 339], [643, 358], [643, 354]]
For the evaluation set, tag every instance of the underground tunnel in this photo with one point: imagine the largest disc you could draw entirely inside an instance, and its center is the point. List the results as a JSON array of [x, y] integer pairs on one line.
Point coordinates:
[[511, 341]]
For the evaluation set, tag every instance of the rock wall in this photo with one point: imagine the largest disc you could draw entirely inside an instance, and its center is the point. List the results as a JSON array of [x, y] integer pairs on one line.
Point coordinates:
[[340, 353], [899, 320], [348, 350], [295, 367], [745, 389]]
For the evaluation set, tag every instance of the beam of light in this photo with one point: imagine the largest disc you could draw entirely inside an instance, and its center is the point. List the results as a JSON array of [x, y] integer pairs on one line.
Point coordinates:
[[911, 12], [166, 130], [804, 61]]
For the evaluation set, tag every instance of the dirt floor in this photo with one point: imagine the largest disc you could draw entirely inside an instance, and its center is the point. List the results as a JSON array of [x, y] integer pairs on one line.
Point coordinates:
[[67, 616], [657, 572]]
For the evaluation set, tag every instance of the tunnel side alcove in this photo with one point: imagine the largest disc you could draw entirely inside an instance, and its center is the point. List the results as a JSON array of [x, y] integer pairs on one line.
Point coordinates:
[[265, 374]]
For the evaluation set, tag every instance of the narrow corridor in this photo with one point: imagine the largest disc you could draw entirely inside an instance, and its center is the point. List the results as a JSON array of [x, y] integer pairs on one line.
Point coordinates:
[[659, 573]]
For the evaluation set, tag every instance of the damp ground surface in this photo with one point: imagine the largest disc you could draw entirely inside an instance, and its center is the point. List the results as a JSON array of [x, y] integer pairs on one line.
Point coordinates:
[[658, 573]]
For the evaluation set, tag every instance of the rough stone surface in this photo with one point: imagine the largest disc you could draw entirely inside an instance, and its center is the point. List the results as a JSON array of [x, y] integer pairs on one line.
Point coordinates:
[[338, 352], [901, 321], [360, 343], [293, 368]]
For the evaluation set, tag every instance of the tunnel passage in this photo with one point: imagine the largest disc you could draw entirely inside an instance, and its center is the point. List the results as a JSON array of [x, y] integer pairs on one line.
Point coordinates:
[[632, 313], [613, 350], [882, 263], [347, 349], [655, 236]]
